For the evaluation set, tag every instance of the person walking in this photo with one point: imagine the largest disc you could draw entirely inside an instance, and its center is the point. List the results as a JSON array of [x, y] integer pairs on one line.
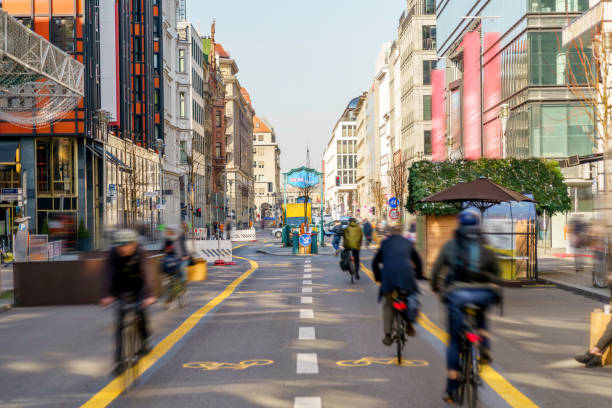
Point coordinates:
[[367, 231], [353, 235], [402, 266], [338, 231]]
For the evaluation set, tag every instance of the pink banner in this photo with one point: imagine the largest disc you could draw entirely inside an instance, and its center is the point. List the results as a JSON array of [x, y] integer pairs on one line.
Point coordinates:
[[438, 131], [471, 96], [492, 96]]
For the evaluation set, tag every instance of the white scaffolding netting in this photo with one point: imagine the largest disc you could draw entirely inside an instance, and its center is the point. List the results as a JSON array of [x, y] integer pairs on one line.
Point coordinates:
[[39, 83]]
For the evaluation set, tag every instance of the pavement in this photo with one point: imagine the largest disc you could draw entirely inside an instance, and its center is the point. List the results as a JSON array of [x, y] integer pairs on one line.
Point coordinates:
[[287, 331], [6, 288], [562, 272]]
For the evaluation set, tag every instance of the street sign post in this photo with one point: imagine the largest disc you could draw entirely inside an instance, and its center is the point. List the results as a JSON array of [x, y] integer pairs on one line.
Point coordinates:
[[393, 202], [394, 214]]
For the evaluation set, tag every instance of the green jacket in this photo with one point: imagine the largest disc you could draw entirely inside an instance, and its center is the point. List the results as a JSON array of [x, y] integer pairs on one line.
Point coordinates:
[[353, 236]]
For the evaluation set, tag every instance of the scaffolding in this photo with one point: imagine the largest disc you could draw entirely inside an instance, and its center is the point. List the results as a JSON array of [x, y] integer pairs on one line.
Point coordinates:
[[39, 83]]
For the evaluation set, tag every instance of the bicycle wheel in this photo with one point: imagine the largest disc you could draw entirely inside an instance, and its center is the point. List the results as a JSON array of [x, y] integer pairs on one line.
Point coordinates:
[[398, 333], [464, 375], [129, 352], [352, 271], [472, 383]]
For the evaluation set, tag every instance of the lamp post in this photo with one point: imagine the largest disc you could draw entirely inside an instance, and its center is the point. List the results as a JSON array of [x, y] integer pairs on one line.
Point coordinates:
[[160, 147], [504, 114]]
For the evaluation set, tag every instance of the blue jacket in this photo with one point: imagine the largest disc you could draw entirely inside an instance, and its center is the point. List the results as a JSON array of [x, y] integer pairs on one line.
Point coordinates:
[[397, 256], [367, 229]]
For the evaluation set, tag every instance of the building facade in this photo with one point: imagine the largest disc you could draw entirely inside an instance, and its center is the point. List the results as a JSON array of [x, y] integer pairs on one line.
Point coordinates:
[[239, 144], [266, 168], [340, 158]]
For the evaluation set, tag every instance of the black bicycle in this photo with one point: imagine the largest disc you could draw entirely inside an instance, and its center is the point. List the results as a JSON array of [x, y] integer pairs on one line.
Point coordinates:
[[348, 260], [131, 343], [469, 354], [399, 325]]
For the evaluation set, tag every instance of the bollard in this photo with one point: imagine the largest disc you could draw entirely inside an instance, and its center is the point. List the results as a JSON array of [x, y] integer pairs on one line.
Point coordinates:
[[296, 243], [313, 243]]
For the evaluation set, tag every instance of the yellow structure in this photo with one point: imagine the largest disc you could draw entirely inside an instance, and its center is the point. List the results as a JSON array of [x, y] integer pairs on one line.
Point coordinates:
[[198, 271]]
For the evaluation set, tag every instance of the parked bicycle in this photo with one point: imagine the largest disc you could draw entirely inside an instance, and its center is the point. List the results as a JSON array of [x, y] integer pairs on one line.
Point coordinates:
[[469, 352]]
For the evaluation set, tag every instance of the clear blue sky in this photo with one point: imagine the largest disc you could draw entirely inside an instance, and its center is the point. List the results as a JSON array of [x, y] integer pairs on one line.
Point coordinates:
[[302, 62]]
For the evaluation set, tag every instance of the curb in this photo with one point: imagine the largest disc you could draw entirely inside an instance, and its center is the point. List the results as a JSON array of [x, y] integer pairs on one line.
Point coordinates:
[[578, 290]]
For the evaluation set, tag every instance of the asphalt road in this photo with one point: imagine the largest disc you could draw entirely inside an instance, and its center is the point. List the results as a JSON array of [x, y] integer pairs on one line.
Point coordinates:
[[295, 333]]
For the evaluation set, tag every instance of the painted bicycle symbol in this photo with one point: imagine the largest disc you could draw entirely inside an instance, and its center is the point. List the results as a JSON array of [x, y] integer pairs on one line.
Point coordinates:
[[367, 361], [213, 365]]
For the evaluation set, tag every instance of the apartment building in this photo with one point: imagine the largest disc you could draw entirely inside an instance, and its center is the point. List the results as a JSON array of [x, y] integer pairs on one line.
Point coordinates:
[[266, 169]]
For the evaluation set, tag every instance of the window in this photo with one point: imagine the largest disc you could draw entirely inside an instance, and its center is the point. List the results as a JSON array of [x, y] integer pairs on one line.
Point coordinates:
[[254, 164], [428, 66], [156, 27], [429, 37], [270, 187], [257, 125], [427, 142], [261, 138], [54, 165], [556, 6], [181, 66], [156, 61], [156, 99], [218, 119], [182, 105], [429, 7], [183, 151], [62, 33], [218, 149], [426, 107]]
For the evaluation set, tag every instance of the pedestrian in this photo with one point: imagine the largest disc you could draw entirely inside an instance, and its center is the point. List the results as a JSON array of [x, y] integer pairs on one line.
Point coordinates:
[[367, 231], [402, 266], [338, 231], [592, 358], [578, 239], [353, 235], [128, 280]]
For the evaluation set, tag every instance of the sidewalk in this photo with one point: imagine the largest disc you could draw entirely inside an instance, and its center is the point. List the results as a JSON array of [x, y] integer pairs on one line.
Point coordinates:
[[562, 272], [6, 288]]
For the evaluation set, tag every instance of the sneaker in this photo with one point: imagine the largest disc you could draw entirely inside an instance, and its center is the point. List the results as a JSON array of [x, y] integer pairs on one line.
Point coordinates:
[[485, 355], [594, 362], [410, 330], [450, 397], [584, 358], [387, 341]]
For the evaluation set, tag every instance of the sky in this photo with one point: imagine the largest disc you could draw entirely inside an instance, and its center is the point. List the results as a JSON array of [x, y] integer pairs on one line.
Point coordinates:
[[302, 62]]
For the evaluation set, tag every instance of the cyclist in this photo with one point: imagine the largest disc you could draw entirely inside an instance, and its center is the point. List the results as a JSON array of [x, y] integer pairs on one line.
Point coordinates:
[[472, 271], [352, 242], [338, 231], [367, 231], [398, 255], [128, 280]]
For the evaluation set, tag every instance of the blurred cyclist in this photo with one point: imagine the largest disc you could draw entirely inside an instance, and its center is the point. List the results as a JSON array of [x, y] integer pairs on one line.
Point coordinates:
[[472, 271], [338, 231], [128, 280], [367, 232], [401, 267], [352, 242]]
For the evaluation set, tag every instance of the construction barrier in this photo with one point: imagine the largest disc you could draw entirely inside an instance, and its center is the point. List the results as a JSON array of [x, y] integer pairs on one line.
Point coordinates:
[[213, 250], [243, 235]]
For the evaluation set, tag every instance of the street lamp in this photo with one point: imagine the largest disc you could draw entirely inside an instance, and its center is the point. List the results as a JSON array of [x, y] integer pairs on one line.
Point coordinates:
[[504, 114], [160, 147]]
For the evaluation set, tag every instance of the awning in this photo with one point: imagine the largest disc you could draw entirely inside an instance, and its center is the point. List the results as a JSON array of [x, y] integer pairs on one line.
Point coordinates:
[[101, 152]]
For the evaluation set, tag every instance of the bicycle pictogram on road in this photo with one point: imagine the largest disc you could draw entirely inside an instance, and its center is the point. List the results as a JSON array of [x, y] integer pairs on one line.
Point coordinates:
[[213, 365], [367, 361]]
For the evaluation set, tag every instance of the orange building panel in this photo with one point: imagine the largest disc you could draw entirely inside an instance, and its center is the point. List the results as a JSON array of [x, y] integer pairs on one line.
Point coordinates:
[[43, 129], [41, 26], [17, 7], [41, 7], [81, 127], [157, 119], [8, 128], [156, 82], [156, 46], [64, 127], [63, 7]]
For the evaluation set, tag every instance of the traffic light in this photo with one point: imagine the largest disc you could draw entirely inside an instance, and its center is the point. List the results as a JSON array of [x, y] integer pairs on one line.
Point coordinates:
[[337, 180], [373, 210], [198, 212]]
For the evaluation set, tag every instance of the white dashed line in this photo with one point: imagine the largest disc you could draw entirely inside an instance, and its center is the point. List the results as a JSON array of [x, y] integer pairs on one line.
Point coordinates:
[[308, 276], [307, 282], [307, 363], [306, 299], [306, 333], [306, 314], [307, 402], [306, 290]]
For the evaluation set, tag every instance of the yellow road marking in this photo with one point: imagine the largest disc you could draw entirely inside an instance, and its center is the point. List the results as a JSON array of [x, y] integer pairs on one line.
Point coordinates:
[[367, 361], [113, 389], [239, 246], [213, 365], [496, 381]]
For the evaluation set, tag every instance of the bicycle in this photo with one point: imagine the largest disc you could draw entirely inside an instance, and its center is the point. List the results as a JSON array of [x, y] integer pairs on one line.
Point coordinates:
[[398, 325], [469, 353], [131, 343], [347, 256], [599, 273], [175, 289]]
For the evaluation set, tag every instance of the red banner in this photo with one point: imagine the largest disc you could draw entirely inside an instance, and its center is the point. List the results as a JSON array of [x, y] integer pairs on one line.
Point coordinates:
[[471, 96], [438, 124], [492, 96]]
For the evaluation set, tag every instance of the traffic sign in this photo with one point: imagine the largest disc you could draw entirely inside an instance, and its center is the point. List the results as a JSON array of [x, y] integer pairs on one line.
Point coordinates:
[[305, 239], [394, 214], [393, 202]]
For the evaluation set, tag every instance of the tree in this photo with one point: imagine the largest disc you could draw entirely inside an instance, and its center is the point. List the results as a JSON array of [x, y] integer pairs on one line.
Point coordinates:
[[378, 193], [398, 179], [306, 192], [589, 78], [135, 181]]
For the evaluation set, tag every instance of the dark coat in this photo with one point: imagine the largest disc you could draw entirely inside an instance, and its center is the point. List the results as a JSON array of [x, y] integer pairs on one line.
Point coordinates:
[[338, 231], [127, 276], [397, 255], [367, 229]]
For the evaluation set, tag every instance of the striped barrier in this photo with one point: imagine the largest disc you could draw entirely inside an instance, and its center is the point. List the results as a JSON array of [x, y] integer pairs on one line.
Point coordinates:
[[243, 235], [213, 250]]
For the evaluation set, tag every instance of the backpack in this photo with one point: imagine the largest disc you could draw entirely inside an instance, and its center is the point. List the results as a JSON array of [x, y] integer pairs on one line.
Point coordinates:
[[466, 267], [171, 264]]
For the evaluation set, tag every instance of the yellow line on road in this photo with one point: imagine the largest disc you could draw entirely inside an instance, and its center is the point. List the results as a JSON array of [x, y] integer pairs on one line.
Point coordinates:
[[496, 381], [113, 389], [238, 246]]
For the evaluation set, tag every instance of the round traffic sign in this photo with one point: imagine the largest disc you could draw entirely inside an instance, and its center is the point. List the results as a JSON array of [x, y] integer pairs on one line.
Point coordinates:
[[393, 202], [305, 239], [394, 214]]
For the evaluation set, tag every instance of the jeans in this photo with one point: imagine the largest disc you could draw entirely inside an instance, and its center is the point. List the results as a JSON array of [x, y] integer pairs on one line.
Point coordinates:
[[336, 242], [605, 339], [142, 329], [456, 300]]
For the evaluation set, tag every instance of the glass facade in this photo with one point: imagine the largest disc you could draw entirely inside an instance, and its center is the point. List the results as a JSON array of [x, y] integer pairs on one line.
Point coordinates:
[[561, 130], [557, 6], [552, 64]]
